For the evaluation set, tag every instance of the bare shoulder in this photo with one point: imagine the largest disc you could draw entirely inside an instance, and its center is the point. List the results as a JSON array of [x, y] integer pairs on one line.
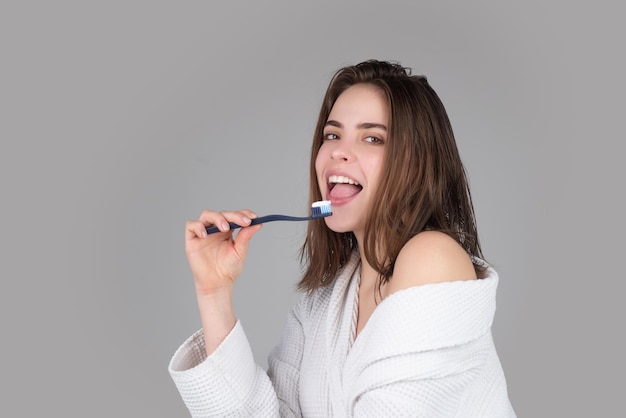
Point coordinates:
[[430, 257]]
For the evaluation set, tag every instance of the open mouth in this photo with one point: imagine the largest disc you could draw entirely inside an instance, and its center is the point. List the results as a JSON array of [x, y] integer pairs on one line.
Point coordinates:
[[341, 187]]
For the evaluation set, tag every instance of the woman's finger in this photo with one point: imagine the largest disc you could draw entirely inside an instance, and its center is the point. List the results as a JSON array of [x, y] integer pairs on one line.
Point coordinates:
[[221, 219], [241, 217], [195, 229], [210, 218]]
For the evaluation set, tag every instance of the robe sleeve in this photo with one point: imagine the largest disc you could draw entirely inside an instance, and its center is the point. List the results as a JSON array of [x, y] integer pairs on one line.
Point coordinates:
[[453, 382], [428, 351], [228, 383]]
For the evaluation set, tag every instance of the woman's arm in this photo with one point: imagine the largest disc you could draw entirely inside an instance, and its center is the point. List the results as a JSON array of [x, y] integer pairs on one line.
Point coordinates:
[[214, 370], [229, 383], [216, 261]]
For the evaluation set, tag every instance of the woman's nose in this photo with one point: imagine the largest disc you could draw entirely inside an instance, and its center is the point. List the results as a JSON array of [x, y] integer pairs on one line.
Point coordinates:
[[341, 152]]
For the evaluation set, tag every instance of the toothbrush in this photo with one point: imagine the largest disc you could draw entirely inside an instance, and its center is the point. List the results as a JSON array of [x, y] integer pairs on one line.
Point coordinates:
[[319, 209]]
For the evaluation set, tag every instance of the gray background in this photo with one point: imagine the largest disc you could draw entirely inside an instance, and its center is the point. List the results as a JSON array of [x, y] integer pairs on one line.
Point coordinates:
[[121, 120]]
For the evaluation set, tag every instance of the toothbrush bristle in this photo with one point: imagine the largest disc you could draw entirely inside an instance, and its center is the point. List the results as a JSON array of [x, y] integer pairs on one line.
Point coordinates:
[[321, 209]]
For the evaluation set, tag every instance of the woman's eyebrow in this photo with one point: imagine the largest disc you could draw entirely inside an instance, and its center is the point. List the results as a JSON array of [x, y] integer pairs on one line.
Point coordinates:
[[368, 125], [364, 125]]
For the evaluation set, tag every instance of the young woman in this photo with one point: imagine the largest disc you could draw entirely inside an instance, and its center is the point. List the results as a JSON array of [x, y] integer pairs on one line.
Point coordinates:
[[397, 304]]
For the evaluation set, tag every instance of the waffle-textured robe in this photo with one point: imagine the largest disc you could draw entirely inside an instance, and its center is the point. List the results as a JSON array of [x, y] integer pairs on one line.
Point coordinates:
[[426, 351]]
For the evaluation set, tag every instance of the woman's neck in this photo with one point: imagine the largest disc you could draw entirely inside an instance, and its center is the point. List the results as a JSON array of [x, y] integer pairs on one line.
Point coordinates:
[[369, 276]]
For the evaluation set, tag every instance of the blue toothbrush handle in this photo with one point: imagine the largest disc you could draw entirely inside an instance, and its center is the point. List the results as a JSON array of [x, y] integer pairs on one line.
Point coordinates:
[[263, 219]]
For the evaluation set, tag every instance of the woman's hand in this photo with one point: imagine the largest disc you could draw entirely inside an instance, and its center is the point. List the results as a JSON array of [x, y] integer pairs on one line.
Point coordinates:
[[216, 260]]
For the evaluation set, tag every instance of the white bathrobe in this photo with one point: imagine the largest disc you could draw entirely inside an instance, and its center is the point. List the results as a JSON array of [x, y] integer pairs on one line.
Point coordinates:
[[426, 351]]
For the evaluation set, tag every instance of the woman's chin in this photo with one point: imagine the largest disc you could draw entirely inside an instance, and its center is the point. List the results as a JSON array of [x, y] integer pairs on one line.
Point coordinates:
[[336, 225]]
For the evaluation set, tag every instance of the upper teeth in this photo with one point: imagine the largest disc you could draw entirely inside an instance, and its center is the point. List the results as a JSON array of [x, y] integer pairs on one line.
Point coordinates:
[[341, 179]]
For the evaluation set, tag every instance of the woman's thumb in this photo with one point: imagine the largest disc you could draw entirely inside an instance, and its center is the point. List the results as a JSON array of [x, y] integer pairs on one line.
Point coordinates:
[[242, 240]]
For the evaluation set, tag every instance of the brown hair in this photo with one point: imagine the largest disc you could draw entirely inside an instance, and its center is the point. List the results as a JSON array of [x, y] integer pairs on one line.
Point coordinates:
[[424, 185]]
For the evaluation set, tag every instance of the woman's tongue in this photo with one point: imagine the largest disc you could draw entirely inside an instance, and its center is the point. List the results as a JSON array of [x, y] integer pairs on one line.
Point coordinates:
[[343, 191]]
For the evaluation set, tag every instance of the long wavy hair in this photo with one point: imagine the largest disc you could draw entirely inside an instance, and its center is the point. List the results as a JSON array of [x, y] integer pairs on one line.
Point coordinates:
[[423, 186]]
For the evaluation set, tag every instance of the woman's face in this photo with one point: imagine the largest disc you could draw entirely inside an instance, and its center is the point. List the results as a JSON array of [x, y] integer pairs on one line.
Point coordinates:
[[350, 160]]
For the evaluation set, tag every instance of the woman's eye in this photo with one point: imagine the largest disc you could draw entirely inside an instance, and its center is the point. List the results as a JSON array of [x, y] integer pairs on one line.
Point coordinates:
[[374, 140], [330, 136]]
